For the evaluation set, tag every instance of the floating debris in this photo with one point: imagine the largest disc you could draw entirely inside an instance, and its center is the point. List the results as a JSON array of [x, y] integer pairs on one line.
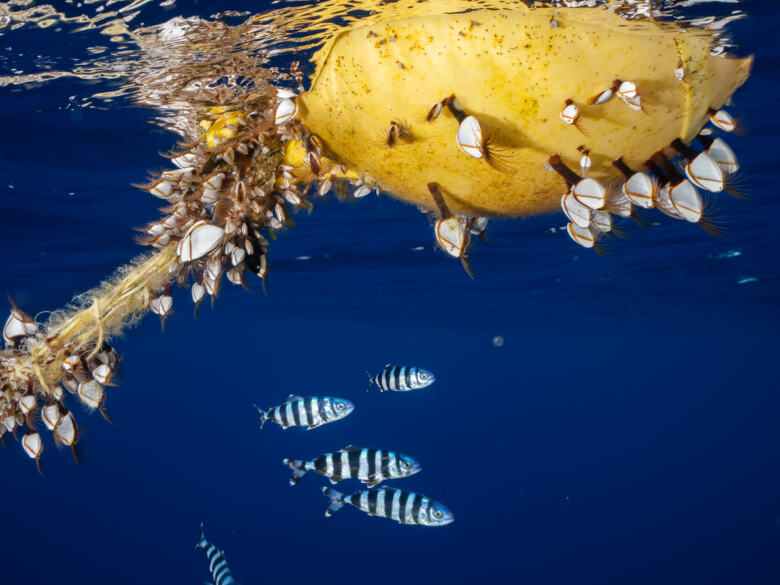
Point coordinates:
[[251, 156]]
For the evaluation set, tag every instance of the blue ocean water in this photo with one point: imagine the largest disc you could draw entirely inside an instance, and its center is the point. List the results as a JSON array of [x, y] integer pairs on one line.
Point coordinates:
[[625, 432]]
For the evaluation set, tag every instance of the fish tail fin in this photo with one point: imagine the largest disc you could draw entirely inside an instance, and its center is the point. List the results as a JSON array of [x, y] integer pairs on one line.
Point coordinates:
[[336, 500], [202, 542], [298, 468], [262, 414], [370, 380]]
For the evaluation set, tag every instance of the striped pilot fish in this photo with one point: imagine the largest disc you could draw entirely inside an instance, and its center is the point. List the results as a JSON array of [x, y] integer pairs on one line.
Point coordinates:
[[399, 505], [309, 412], [371, 466], [402, 379], [220, 571]]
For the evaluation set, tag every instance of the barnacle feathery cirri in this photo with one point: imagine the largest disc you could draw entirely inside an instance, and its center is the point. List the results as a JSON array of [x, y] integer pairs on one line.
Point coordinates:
[[461, 108]]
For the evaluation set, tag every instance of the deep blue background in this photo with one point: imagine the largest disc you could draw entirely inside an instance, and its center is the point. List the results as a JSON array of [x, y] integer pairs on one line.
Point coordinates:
[[626, 432]]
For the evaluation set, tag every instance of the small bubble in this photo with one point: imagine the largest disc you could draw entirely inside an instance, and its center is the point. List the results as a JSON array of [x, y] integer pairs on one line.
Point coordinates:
[[498, 341]]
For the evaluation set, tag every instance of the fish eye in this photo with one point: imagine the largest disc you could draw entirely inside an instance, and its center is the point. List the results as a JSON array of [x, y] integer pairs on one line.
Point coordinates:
[[437, 514], [407, 465], [423, 376], [339, 406]]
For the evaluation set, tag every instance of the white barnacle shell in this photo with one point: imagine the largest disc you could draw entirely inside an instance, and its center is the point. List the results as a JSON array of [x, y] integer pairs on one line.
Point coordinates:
[[601, 222], [570, 113], [663, 201], [285, 111], [229, 156], [210, 284], [635, 103], [155, 230], [235, 275], [91, 393], [583, 236], [362, 191], [214, 268], [198, 291], [451, 235], [214, 181], [32, 445], [285, 93], [591, 193], [577, 212], [723, 120], [279, 212], [640, 189], [161, 305], [50, 415], [603, 97], [184, 160], [619, 204], [10, 423], [181, 210], [585, 163], [705, 173], [199, 240], [686, 201], [178, 175], [324, 187], [65, 431], [720, 152], [102, 373], [237, 256], [470, 137], [171, 222], [262, 266], [209, 195], [71, 385], [627, 90], [162, 189], [27, 403], [13, 329], [479, 225], [291, 197], [18, 325]]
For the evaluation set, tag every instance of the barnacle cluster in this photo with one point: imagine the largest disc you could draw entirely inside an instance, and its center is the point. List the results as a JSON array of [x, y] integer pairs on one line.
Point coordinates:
[[466, 134]]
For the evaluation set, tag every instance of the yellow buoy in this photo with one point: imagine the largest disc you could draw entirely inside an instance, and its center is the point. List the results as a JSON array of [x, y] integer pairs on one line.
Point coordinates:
[[513, 70]]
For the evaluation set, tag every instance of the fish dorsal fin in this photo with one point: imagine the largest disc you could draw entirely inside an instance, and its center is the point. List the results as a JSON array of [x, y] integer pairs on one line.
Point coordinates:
[[349, 448], [388, 366], [292, 397]]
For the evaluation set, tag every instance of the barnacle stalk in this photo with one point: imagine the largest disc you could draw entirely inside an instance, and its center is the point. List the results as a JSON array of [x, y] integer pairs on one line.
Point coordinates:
[[465, 137]]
